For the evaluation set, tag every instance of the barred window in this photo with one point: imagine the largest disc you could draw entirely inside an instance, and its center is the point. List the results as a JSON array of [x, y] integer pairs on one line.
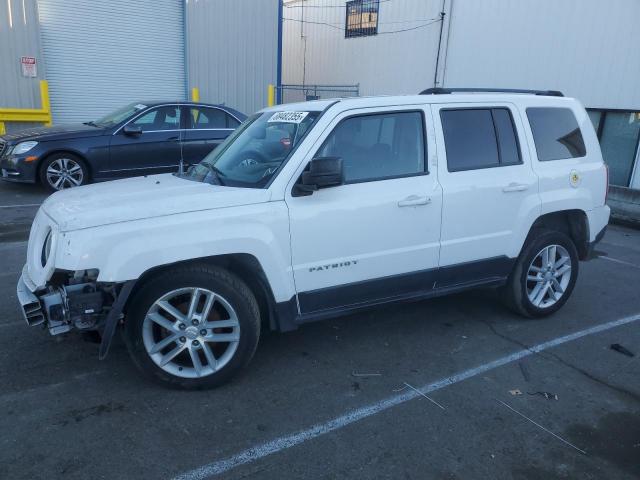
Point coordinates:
[[361, 18]]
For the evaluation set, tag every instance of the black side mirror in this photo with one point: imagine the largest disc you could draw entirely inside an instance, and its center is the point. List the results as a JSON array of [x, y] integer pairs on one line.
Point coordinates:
[[322, 172], [132, 130]]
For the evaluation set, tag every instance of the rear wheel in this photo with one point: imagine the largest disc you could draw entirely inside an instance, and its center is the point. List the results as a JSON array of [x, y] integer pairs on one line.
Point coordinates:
[[544, 275], [63, 170], [193, 327]]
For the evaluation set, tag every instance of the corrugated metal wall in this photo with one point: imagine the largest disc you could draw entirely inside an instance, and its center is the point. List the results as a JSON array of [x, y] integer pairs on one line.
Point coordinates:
[[400, 59], [586, 48], [19, 37], [232, 50], [101, 56]]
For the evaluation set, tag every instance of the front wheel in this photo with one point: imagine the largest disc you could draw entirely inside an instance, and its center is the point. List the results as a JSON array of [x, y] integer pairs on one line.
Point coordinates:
[[63, 170], [193, 327], [544, 275]]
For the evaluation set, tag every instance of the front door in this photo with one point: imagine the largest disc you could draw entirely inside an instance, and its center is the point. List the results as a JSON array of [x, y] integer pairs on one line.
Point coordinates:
[[155, 150], [376, 237], [490, 192]]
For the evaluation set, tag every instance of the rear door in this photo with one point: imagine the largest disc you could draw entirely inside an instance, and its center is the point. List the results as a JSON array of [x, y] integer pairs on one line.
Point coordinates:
[[490, 191], [206, 128], [376, 237], [155, 150]]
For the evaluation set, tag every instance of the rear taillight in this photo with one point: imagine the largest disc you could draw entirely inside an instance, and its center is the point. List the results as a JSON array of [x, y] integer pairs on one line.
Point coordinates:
[[606, 185]]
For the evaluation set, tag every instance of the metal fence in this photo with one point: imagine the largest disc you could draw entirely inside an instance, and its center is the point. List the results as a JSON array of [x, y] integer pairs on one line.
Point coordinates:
[[300, 93]]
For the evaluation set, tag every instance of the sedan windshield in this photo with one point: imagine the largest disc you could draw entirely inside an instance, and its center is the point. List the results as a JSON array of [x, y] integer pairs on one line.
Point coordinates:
[[119, 115], [255, 151]]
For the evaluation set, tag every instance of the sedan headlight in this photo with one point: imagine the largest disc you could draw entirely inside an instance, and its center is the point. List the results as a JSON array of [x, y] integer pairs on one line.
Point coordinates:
[[23, 147]]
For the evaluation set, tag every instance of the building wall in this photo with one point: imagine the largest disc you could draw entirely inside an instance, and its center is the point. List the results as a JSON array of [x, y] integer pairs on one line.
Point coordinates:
[[19, 37], [392, 62], [232, 50], [585, 48]]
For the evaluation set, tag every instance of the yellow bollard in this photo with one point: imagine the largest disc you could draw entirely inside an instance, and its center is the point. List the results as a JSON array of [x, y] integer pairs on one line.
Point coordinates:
[[271, 95], [195, 94], [45, 104]]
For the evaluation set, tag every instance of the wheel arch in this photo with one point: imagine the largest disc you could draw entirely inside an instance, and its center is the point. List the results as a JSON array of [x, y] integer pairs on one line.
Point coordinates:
[[244, 265], [573, 222]]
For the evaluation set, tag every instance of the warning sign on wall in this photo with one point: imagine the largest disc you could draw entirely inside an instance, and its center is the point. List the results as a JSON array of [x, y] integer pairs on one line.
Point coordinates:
[[29, 68]]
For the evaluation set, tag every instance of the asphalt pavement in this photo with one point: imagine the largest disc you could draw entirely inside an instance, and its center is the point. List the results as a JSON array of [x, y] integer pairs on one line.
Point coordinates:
[[501, 397], [18, 205]]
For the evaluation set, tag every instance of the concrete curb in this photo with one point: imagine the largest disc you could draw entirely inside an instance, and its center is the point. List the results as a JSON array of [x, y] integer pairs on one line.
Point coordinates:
[[625, 205]]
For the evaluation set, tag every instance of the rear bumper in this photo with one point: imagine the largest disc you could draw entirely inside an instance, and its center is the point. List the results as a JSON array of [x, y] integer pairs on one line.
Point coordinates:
[[598, 221], [592, 245]]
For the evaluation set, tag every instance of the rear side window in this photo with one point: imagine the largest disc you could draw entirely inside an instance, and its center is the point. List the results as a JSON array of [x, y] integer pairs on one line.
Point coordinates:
[[479, 138], [556, 133]]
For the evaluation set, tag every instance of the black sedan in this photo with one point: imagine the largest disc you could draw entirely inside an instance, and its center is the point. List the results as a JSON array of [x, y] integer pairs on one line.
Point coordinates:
[[139, 139]]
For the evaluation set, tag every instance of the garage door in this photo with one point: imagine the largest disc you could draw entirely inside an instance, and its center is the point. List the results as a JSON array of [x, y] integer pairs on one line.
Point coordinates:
[[100, 56]]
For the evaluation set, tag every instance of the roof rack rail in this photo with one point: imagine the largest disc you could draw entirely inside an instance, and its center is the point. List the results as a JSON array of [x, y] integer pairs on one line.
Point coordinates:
[[440, 91]]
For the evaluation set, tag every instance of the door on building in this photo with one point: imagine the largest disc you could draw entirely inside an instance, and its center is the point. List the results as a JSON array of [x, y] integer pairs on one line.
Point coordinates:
[[206, 128], [154, 147], [489, 188], [116, 53], [377, 236]]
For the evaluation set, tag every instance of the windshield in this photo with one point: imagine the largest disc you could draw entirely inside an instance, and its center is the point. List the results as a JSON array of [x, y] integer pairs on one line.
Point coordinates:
[[252, 155], [119, 115]]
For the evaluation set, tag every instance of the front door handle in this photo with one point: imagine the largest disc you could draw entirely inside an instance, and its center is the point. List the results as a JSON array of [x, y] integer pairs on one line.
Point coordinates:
[[413, 201], [515, 187], [173, 139]]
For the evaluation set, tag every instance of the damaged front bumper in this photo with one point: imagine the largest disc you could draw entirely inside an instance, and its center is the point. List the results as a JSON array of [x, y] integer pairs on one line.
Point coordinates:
[[72, 303]]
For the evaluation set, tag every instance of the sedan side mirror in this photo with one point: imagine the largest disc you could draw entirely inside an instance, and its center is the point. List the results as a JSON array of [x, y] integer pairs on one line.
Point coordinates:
[[323, 172], [132, 130]]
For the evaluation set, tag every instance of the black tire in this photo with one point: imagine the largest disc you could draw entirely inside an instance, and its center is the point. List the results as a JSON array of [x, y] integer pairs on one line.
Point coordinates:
[[74, 178], [516, 289], [210, 277]]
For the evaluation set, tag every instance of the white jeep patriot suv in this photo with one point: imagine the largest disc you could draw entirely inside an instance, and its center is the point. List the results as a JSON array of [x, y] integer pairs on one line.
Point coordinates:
[[318, 209]]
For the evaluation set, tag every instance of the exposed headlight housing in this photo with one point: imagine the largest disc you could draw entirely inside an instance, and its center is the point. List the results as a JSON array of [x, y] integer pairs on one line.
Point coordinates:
[[23, 147]]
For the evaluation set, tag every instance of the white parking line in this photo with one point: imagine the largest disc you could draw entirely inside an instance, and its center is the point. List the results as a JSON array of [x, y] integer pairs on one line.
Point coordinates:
[[279, 444], [23, 205], [622, 262]]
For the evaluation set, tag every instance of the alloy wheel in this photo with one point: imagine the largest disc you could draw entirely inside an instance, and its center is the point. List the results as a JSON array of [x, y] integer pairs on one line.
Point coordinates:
[[548, 276], [191, 332], [64, 173]]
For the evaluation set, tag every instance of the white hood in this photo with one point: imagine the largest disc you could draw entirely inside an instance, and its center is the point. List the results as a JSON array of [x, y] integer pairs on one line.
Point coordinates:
[[142, 197]]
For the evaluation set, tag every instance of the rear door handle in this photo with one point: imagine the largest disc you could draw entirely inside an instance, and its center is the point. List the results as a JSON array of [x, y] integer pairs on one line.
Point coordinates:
[[173, 139], [413, 201], [515, 187]]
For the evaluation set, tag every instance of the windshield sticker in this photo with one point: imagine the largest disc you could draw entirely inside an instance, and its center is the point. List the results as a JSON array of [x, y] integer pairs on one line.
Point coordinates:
[[288, 117], [140, 106]]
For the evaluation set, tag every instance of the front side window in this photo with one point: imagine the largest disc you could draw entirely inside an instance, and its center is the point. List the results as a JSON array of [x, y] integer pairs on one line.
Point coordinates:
[[252, 154], [362, 18], [556, 133], [374, 147], [161, 118], [479, 138]]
